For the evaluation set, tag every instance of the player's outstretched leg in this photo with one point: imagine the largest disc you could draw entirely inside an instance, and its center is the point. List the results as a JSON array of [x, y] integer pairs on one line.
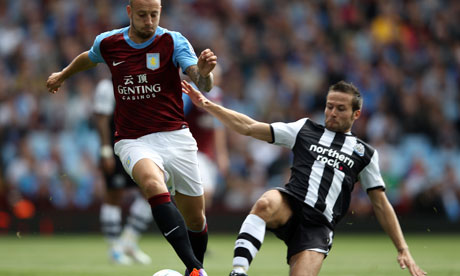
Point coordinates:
[[248, 243], [110, 219], [172, 225], [138, 221]]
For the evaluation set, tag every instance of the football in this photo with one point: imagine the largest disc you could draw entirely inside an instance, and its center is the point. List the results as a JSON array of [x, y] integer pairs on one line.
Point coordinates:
[[167, 272]]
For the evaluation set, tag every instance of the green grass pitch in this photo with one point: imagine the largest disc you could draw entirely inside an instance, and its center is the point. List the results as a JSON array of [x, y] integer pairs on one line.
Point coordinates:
[[352, 255]]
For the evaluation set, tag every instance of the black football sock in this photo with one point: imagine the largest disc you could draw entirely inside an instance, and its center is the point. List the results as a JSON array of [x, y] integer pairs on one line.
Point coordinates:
[[199, 241], [172, 225]]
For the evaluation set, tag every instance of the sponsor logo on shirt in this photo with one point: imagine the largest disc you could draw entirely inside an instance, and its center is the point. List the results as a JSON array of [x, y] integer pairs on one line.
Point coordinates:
[[137, 87], [332, 157]]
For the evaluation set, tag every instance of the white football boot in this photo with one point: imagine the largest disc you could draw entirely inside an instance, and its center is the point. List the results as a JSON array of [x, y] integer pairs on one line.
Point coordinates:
[[131, 248], [118, 256]]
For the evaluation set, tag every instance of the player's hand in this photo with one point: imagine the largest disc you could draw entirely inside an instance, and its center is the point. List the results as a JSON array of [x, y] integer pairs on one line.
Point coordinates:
[[54, 82], [206, 62], [405, 260], [197, 98]]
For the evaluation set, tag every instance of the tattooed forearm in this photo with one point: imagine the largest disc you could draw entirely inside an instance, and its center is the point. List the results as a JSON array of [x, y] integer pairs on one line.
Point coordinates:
[[203, 83]]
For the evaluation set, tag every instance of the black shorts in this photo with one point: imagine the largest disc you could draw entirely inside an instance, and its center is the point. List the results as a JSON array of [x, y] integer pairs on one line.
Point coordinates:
[[119, 179], [300, 233]]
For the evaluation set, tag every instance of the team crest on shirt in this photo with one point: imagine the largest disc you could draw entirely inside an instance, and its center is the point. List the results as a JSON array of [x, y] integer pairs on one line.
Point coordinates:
[[153, 61], [359, 149]]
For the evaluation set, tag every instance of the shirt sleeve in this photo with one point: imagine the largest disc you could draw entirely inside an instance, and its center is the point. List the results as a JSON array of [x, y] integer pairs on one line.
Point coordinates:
[[285, 134], [370, 176], [95, 51], [104, 100], [184, 55]]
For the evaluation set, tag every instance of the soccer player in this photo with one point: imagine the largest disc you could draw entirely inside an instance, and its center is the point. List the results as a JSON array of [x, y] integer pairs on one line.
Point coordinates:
[[123, 245], [152, 138], [328, 160]]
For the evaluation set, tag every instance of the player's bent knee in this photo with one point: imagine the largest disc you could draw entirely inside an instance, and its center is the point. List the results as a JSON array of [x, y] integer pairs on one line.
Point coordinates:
[[152, 187], [262, 207]]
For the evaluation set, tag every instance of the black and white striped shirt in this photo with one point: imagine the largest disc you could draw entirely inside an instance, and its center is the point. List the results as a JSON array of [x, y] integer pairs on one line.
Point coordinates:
[[326, 166]]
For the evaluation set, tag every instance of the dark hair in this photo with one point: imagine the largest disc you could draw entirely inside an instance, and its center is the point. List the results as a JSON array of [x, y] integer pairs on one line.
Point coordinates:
[[348, 88]]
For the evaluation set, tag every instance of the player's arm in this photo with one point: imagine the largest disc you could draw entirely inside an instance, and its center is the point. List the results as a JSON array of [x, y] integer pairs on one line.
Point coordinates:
[[80, 63], [200, 73], [230, 118], [387, 218], [102, 123]]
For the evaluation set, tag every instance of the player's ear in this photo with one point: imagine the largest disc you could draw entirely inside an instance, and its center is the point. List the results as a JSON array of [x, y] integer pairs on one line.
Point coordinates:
[[128, 10], [356, 114]]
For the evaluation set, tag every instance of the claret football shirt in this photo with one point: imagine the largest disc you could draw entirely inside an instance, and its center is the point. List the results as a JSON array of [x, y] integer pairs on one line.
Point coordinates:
[[146, 79]]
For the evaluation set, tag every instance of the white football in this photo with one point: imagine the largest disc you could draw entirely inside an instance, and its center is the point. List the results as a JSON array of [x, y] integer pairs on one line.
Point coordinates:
[[167, 272]]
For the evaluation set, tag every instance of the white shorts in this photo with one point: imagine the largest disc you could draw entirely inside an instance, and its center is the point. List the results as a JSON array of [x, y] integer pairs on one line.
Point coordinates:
[[208, 171], [174, 152]]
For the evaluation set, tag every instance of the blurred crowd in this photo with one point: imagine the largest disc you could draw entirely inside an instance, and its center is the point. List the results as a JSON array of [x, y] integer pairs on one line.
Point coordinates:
[[278, 59]]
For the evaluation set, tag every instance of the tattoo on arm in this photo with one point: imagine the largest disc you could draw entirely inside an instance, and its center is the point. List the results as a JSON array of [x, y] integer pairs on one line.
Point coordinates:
[[203, 83]]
